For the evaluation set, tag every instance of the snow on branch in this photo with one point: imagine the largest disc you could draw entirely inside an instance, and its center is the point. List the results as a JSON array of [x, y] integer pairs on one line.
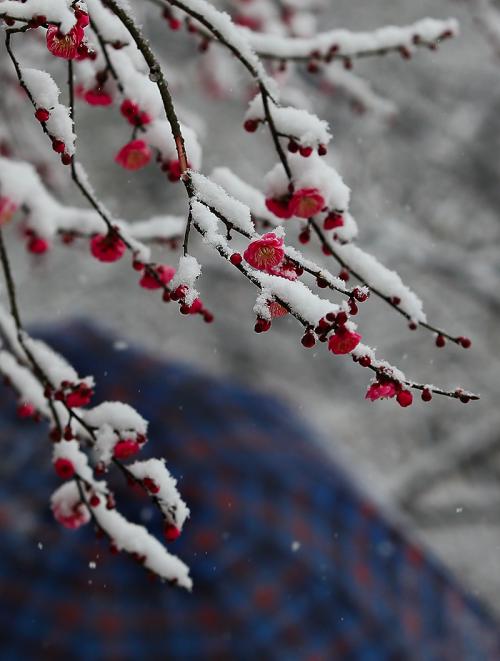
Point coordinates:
[[346, 44], [362, 96], [110, 62], [57, 12], [33, 374], [21, 189]]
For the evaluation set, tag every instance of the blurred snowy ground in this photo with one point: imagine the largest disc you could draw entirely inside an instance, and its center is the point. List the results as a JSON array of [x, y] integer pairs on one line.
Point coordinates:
[[426, 195]]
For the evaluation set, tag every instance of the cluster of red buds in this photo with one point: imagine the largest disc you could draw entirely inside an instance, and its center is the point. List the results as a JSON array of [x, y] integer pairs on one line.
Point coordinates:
[[133, 113], [73, 394], [43, 116]]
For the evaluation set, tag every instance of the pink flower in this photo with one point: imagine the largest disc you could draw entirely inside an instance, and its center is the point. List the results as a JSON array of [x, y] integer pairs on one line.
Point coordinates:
[[265, 253], [134, 155], [7, 209], [381, 391], [164, 275], [306, 202], [126, 448], [98, 97], [107, 247], [64, 45], [343, 341], [279, 206], [64, 468], [73, 518]]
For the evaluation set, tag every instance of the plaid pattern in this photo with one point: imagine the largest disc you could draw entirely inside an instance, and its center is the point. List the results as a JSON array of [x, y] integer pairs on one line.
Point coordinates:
[[355, 589]]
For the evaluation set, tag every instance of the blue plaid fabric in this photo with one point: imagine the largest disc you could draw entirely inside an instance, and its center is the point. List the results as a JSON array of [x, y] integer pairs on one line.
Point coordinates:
[[350, 588]]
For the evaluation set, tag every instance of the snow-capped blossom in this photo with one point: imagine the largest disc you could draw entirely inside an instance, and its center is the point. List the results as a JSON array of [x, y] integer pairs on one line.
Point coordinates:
[[98, 97], [135, 539], [309, 173], [7, 209], [55, 116], [266, 253], [107, 247], [134, 155], [343, 341], [64, 468], [306, 202], [64, 45], [118, 415], [156, 477], [164, 274], [79, 395], [72, 519], [381, 391], [134, 115], [126, 448], [333, 221], [308, 130], [67, 507], [279, 206]]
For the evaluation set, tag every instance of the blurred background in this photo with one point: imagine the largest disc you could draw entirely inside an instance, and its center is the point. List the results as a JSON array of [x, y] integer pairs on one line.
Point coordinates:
[[426, 196]]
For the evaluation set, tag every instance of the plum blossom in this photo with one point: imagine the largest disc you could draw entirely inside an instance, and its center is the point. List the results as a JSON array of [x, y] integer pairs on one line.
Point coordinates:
[[343, 341], [333, 221], [405, 398], [64, 45], [71, 518], [98, 97], [134, 115], [107, 247], [79, 396], [266, 253], [306, 202], [164, 274], [134, 155], [279, 206], [381, 391], [126, 448]]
